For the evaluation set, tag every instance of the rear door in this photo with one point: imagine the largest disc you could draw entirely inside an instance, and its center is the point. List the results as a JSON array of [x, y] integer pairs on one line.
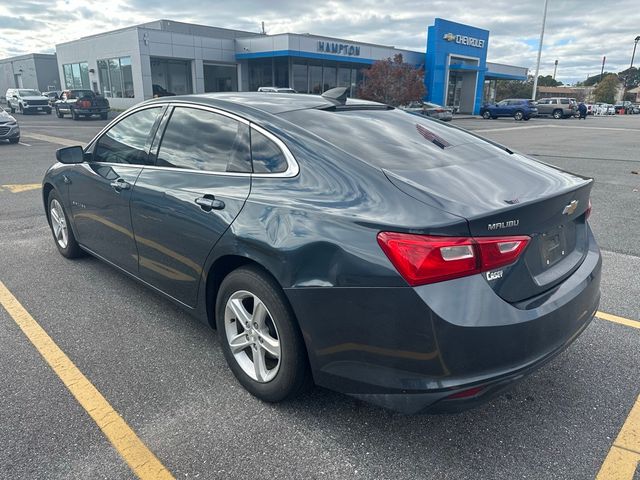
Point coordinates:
[[100, 190], [183, 204]]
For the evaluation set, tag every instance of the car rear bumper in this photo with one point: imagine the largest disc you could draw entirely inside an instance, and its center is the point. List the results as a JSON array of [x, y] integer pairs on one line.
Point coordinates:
[[408, 349], [91, 111]]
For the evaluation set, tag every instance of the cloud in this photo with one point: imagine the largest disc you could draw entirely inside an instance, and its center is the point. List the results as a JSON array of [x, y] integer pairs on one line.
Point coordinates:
[[578, 33]]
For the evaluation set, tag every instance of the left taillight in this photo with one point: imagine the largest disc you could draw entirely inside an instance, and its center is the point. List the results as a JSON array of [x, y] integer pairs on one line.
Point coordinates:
[[422, 259], [587, 213]]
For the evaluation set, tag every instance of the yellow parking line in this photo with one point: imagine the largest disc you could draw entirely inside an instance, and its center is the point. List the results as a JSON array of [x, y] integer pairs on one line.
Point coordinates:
[[616, 319], [20, 187], [624, 456], [139, 458]]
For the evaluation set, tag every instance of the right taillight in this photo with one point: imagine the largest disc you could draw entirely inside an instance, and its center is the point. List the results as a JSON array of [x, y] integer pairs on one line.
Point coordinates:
[[422, 259], [587, 213]]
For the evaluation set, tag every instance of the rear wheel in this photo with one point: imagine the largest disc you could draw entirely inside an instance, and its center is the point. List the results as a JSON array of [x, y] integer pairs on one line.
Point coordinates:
[[557, 114], [59, 114], [518, 115], [486, 115], [74, 115], [60, 228], [103, 116], [259, 335], [526, 119]]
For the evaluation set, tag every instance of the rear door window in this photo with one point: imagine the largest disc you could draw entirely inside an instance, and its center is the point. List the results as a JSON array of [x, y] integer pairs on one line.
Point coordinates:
[[126, 141], [198, 139], [266, 155]]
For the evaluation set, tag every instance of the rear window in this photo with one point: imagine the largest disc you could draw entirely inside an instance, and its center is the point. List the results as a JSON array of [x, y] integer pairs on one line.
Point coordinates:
[[387, 138], [565, 101]]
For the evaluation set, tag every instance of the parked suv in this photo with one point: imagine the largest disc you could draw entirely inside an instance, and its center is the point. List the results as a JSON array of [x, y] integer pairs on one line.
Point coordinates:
[[27, 100], [557, 107], [518, 108]]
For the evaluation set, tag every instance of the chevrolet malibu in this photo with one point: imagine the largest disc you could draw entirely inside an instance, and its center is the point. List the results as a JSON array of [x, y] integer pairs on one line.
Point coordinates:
[[340, 242]]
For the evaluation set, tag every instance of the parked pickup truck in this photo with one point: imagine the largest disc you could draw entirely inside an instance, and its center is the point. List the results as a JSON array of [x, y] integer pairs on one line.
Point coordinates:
[[81, 103]]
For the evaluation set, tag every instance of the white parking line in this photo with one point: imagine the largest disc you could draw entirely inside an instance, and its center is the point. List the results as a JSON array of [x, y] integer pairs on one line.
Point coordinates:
[[25, 144], [575, 127], [48, 138]]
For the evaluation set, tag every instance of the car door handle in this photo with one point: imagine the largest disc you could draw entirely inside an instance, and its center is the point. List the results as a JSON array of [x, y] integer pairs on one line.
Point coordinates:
[[120, 184], [209, 202]]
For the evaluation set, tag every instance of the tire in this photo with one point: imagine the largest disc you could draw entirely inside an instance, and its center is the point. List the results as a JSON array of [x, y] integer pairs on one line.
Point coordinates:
[[49, 112], [59, 114], [74, 115], [21, 109], [486, 115], [494, 118], [518, 115], [64, 239], [103, 116], [557, 114], [279, 378], [14, 140], [13, 110], [526, 119]]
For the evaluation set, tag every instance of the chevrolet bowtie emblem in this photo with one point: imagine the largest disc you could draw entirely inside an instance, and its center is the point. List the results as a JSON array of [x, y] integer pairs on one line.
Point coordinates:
[[449, 37], [569, 209]]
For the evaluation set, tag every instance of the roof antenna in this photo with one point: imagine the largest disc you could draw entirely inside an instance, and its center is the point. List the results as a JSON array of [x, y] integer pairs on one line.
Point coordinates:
[[263, 32], [339, 94]]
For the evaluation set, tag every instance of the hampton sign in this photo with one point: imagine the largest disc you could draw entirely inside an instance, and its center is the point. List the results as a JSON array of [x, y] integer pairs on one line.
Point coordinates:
[[338, 48], [464, 40]]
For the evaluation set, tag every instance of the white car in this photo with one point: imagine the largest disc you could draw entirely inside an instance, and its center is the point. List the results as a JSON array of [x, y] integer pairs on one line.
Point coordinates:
[[27, 100], [276, 90]]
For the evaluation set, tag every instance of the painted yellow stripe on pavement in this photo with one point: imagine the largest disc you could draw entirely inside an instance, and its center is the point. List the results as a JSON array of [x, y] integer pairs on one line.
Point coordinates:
[[51, 139], [139, 458], [21, 187], [616, 319], [624, 456]]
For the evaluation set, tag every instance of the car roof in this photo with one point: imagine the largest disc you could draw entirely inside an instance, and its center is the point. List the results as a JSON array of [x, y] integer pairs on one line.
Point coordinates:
[[274, 103]]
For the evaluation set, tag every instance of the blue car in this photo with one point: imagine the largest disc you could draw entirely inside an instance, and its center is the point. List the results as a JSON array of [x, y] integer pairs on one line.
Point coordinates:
[[335, 241], [518, 108]]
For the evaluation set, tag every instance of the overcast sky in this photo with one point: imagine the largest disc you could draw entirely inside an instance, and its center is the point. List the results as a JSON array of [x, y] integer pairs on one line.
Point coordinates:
[[578, 33]]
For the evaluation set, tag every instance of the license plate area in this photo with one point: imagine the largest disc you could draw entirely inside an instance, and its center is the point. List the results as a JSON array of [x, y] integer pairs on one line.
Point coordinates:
[[553, 246]]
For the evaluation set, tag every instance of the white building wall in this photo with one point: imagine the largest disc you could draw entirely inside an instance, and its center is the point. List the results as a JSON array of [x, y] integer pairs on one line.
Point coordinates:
[[123, 43]]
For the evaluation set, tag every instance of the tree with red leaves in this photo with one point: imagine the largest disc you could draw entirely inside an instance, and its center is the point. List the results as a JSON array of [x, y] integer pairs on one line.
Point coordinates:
[[393, 82]]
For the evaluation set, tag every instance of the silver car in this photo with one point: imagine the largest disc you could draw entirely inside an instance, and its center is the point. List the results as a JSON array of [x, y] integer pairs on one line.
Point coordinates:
[[9, 128]]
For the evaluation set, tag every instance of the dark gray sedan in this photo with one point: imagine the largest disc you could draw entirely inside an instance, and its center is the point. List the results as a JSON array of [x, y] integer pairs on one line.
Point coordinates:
[[338, 242]]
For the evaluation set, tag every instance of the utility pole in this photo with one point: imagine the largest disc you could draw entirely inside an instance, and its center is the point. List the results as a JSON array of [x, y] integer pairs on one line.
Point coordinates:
[[555, 69], [535, 79]]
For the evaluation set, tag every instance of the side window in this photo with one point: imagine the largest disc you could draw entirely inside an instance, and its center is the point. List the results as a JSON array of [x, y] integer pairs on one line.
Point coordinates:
[[502, 103], [201, 140], [266, 155], [125, 141], [565, 101]]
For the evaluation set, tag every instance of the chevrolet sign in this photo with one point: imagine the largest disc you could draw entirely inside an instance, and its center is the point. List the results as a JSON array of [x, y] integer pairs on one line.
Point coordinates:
[[464, 40]]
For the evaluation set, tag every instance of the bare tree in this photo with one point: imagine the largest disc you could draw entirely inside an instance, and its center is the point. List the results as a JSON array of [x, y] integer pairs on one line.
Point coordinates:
[[393, 82]]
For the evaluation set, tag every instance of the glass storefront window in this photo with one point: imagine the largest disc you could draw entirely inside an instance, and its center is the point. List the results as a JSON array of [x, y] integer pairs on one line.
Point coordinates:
[[344, 77], [329, 78], [171, 75], [281, 72], [260, 74], [315, 79], [116, 78], [76, 75], [220, 78], [300, 80]]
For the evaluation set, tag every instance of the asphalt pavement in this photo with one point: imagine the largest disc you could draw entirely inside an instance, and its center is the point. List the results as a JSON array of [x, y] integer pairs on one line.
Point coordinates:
[[165, 374]]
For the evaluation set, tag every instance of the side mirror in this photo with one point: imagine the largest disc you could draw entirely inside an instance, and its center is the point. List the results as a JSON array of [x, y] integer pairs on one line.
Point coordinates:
[[70, 155]]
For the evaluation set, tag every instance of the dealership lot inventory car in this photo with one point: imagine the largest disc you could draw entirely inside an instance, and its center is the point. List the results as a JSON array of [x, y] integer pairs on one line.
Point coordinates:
[[82, 103], [518, 108], [9, 128], [557, 107], [26, 100], [390, 257]]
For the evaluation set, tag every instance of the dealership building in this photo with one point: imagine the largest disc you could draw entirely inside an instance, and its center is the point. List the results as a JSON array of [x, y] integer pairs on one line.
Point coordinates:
[[136, 63]]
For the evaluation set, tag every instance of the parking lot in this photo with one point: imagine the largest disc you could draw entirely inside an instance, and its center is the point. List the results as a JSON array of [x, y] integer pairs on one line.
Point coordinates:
[[165, 375]]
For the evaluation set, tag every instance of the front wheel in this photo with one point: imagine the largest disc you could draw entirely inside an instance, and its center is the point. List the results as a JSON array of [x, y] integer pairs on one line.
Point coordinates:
[[557, 114], [74, 115], [59, 114], [60, 228], [103, 116], [486, 115], [518, 115], [14, 140], [260, 337]]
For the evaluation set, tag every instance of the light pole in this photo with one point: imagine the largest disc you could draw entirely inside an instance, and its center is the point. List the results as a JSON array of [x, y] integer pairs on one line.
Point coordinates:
[[635, 44], [555, 69], [535, 79]]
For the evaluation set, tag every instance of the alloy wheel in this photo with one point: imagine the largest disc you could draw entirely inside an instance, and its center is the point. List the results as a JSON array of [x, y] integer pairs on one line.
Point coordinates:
[[252, 336], [59, 224]]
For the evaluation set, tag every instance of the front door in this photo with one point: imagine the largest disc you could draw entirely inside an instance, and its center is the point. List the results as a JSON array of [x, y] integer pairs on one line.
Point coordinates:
[[100, 190], [181, 206]]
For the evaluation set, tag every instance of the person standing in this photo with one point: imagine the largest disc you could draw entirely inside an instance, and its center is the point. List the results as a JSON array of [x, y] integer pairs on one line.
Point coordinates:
[[582, 108]]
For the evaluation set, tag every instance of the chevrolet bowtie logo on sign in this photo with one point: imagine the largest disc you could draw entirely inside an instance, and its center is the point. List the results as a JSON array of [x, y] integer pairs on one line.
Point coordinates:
[[464, 40]]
